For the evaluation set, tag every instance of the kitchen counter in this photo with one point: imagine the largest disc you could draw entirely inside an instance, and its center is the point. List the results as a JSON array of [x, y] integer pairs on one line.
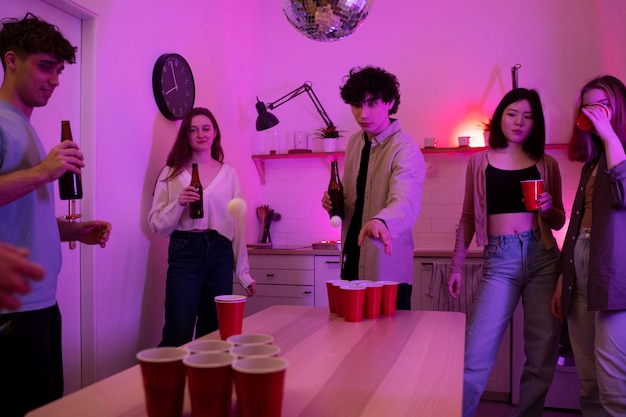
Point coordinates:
[[296, 250], [434, 252]]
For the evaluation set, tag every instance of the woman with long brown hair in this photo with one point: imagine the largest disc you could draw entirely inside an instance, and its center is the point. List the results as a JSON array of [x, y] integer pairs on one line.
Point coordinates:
[[202, 252]]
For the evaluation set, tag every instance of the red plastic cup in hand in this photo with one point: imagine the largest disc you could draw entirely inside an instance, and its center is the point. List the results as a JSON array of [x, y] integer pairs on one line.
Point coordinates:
[[583, 122], [532, 189]]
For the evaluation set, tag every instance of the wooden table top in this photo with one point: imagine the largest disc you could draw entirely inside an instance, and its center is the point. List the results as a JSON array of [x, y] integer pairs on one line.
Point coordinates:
[[407, 365]]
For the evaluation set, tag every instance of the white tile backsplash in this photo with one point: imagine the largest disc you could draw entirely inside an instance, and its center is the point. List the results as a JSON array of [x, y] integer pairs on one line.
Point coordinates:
[[294, 188]]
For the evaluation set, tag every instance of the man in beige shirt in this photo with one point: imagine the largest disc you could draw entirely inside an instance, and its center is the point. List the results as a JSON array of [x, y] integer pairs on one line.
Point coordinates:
[[383, 179]]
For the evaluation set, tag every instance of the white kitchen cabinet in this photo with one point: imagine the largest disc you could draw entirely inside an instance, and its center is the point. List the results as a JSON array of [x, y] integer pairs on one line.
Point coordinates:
[[499, 383], [281, 279], [326, 268]]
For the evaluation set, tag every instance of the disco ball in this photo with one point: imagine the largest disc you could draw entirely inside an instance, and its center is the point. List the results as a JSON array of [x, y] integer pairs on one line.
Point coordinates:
[[326, 20]]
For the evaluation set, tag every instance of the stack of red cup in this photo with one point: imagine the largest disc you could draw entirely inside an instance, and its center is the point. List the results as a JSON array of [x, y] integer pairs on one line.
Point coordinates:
[[355, 300], [249, 362]]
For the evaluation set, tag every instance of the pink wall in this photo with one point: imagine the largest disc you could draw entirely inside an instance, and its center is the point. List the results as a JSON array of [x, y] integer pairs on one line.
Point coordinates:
[[453, 61]]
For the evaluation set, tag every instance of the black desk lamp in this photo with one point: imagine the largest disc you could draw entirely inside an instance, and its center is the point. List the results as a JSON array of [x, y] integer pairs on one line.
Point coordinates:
[[266, 120]]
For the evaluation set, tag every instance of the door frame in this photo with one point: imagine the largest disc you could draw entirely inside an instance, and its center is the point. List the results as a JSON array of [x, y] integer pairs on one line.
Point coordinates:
[[87, 135]]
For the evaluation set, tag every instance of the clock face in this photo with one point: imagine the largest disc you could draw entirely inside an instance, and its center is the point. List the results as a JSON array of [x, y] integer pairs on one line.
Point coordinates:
[[173, 86]]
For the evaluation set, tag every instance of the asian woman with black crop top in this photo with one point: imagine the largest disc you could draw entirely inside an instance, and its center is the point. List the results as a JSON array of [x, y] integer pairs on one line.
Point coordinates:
[[520, 253], [591, 291]]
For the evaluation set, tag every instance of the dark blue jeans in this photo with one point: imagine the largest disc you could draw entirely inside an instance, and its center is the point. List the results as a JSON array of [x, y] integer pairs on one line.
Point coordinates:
[[201, 266]]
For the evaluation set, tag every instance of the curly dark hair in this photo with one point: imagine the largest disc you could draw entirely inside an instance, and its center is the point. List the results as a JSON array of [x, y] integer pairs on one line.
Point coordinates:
[[371, 80], [534, 145], [180, 154], [32, 35]]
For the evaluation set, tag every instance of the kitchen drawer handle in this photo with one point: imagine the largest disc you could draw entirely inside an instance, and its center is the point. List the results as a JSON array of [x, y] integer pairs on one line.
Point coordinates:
[[308, 292], [332, 262], [269, 275]]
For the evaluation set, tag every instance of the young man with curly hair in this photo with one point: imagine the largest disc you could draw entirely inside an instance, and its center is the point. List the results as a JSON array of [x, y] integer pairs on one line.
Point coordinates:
[[33, 54], [383, 179]]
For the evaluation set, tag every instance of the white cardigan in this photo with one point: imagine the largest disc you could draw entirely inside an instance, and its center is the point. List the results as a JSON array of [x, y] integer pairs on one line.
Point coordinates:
[[167, 215]]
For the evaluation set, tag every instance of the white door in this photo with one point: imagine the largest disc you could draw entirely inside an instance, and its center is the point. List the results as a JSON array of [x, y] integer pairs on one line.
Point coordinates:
[[64, 105]]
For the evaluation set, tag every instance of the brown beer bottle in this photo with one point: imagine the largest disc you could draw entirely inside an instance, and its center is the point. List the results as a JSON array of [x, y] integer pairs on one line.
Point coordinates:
[[335, 191], [196, 208], [70, 184]]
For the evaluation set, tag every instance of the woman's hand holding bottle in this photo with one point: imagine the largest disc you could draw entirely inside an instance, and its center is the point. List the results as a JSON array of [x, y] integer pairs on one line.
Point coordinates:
[[188, 195]]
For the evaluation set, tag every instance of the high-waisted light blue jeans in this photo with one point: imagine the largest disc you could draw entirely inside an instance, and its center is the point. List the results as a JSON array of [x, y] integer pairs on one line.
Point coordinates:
[[515, 266]]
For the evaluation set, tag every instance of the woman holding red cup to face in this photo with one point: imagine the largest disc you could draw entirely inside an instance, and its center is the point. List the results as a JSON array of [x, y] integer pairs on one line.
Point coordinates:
[[591, 292]]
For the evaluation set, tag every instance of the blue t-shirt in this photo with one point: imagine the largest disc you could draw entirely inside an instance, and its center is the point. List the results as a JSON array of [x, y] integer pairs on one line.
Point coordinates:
[[29, 222]]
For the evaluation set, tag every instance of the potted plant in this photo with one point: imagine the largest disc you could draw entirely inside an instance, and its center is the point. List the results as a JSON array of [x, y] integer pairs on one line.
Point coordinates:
[[329, 135], [486, 128]]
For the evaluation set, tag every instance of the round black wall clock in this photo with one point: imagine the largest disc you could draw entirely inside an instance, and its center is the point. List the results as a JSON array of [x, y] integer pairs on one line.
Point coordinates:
[[173, 86]]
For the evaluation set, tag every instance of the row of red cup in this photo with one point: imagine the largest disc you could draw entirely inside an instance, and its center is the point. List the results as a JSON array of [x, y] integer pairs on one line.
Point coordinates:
[[212, 367], [355, 300]]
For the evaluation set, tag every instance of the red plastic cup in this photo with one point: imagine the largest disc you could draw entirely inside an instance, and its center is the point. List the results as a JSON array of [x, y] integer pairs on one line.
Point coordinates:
[[388, 297], [332, 291], [210, 378], [260, 384], [531, 190], [352, 299], [583, 122], [249, 351], [331, 295], [373, 296], [337, 296], [251, 339], [163, 375], [209, 346], [230, 314]]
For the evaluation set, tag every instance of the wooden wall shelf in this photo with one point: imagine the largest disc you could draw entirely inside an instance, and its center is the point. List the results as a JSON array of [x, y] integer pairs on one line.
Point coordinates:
[[469, 149], [259, 160]]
